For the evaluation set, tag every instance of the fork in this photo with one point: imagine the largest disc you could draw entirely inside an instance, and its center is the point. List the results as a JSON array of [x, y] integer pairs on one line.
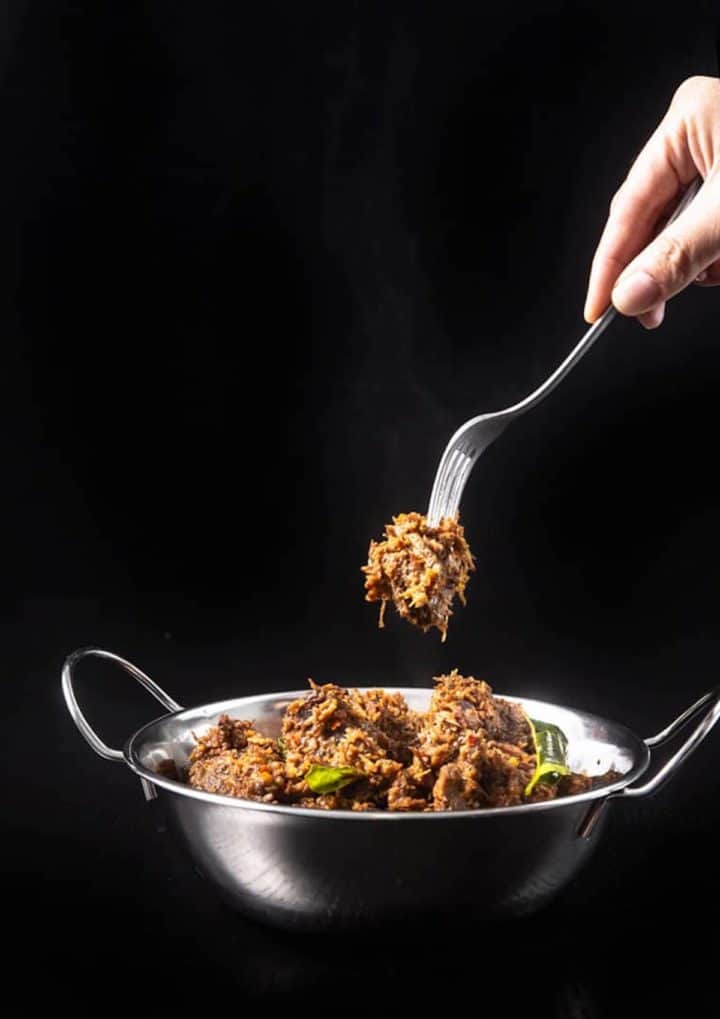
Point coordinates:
[[474, 437]]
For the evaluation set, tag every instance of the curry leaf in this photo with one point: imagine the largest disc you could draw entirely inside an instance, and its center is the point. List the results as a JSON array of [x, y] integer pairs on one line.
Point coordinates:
[[324, 779], [550, 744]]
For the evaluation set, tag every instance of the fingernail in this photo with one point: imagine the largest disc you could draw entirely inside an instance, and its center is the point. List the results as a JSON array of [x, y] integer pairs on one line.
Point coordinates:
[[701, 276], [652, 319], [636, 294]]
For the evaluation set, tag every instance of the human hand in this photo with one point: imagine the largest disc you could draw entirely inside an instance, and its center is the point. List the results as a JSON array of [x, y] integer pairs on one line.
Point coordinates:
[[639, 263]]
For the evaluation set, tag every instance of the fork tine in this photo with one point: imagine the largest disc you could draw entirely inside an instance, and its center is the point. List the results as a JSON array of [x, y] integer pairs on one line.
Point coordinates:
[[451, 463], [437, 487], [442, 480], [459, 481], [452, 466]]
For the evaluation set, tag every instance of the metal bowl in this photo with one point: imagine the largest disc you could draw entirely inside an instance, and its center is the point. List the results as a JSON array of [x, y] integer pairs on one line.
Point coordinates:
[[315, 869]]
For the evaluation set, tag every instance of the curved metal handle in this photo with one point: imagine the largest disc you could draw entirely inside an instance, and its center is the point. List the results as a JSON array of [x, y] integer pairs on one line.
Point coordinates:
[[710, 717], [79, 718]]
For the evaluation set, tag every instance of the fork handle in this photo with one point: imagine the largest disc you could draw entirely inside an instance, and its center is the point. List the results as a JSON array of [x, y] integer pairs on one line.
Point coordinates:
[[595, 330]]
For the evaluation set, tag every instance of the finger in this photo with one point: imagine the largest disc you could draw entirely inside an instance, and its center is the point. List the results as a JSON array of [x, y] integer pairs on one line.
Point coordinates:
[[675, 258], [649, 191], [653, 318]]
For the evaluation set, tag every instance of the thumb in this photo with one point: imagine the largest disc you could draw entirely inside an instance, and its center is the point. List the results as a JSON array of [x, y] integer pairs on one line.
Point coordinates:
[[675, 258]]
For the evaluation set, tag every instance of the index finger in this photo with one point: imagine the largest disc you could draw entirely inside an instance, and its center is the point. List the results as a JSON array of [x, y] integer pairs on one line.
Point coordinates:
[[650, 186]]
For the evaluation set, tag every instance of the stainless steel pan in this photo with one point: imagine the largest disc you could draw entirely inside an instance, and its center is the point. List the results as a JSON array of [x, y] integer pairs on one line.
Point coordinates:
[[315, 869]]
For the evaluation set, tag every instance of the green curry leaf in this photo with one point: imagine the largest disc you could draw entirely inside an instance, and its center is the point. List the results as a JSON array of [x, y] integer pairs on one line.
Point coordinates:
[[550, 744], [324, 779]]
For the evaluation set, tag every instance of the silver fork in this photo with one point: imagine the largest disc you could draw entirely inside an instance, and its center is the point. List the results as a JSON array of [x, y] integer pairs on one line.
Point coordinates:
[[474, 437]]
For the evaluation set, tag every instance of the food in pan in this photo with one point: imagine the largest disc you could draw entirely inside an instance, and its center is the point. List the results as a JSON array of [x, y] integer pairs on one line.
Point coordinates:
[[420, 569], [345, 749]]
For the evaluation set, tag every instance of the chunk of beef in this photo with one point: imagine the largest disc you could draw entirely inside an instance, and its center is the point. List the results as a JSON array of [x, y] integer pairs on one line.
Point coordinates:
[[391, 714], [331, 727], [235, 760], [460, 704], [420, 569], [483, 774]]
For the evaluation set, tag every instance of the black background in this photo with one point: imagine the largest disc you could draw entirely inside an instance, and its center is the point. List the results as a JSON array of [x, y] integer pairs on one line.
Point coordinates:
[[258, 263]]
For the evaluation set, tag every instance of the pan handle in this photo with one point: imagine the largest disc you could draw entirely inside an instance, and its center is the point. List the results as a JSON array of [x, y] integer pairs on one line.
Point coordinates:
[[709, 701], [76, 714]]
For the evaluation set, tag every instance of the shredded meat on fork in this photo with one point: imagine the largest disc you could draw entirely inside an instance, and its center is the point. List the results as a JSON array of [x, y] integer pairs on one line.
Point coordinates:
[[419, 569]]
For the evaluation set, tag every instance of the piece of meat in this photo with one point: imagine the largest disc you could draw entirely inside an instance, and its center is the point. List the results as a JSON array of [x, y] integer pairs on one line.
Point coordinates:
[[476, 707], [227, 734], [419, 569], [412, 789], [235, 760], [331, 727], [336, 801], [575, 784], [457, 788], [460, 704], [457, 704], [483, 774], [510, 725], [391, 714], [504, 772]]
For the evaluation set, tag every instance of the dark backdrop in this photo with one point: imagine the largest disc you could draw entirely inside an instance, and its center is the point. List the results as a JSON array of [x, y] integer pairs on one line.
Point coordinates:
[[259, 261]]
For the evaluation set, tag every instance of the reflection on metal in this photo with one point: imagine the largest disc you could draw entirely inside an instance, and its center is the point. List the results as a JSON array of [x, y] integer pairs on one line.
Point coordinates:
[[691, 743]]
